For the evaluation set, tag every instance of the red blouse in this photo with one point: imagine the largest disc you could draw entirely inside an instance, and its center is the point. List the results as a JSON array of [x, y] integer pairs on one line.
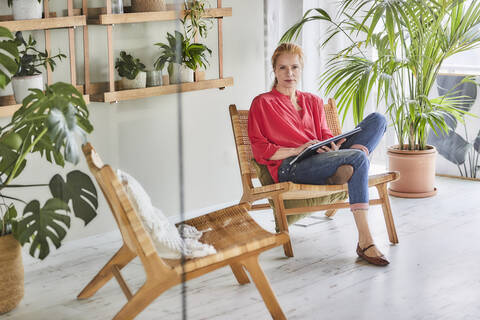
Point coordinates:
[[273, 123]]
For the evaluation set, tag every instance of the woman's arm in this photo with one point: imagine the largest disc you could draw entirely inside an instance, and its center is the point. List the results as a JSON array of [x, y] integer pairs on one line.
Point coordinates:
[[283, 153]]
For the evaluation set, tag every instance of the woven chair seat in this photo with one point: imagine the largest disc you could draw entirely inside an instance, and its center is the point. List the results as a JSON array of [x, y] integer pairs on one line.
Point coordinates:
[[232, 232]]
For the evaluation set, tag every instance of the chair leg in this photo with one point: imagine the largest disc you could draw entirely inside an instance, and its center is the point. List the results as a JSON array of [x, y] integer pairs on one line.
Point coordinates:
[[123, 256], [239, 273], [330, 213], [387, 212], [263, 286], [279, 212], [140, 300]]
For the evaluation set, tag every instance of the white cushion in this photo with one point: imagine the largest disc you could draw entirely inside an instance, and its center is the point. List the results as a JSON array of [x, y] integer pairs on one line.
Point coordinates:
[[165, 236]]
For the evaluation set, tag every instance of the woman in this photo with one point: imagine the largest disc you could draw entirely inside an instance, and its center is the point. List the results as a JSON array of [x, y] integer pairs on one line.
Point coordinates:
[[284, 121]]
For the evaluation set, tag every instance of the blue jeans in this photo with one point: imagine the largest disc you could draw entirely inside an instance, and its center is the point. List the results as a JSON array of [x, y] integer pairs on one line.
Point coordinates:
[[319, 167]]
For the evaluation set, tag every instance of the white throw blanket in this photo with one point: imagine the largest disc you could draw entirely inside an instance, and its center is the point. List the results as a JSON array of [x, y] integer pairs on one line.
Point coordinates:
[[165, 236]]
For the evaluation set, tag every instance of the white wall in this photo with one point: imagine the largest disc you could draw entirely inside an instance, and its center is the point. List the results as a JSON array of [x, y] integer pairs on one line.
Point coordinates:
[[141, 136]]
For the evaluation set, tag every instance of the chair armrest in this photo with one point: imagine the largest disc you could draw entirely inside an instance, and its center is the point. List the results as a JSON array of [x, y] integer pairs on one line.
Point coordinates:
[[375, 179], [257, 193]]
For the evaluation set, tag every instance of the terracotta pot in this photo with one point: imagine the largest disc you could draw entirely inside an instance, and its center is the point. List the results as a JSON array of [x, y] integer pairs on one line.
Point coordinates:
[[417, 172], [11, 273]]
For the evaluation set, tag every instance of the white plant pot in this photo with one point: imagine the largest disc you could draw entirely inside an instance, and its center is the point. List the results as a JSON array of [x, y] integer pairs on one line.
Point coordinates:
[[27, 9], [179, 73], [22, 84], [7, 91], [140, 81]]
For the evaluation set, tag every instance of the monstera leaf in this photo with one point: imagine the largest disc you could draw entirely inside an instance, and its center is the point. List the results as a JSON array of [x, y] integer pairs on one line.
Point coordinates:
[[451, 146], [53, 121], [8, 61], [78, 188], [62, 130], [476, 142], [38, 225]]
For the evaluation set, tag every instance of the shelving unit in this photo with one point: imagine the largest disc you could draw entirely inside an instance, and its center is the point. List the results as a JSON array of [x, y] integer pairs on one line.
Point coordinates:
[[44, 24], [8, 106], [108, 91]]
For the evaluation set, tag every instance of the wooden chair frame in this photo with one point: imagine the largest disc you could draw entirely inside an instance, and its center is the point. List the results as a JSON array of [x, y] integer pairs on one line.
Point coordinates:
[[237, 237], [279, 192]]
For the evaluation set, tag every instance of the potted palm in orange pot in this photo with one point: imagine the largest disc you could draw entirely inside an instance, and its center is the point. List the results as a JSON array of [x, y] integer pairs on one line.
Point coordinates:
[[410, 40]]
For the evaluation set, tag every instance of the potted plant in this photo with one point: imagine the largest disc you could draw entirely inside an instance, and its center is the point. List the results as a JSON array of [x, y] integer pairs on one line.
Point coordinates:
[[182, 56], [48, 123], [194, 22], [410, 40], [28, 75], [26, 9], [131, 70]]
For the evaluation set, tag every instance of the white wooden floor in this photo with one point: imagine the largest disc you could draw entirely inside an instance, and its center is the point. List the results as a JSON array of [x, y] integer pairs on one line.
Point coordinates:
[[434, 271]]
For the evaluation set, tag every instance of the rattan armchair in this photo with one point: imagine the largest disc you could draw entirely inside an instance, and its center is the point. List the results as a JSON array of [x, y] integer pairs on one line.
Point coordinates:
[[278, 192], [237, 238]]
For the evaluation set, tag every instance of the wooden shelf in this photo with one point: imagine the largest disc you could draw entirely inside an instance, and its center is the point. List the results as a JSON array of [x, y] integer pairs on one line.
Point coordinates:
[[104, 19], [8, 105], [158, 91], [9, 17], [44, 24], [8, 111]]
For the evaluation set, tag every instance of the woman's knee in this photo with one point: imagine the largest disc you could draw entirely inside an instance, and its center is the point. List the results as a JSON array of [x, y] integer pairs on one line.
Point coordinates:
[[357, 157], [379, 119]]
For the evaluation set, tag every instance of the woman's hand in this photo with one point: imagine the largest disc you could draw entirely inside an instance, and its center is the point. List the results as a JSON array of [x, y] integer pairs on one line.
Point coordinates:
[[333, 146], [305, 145]]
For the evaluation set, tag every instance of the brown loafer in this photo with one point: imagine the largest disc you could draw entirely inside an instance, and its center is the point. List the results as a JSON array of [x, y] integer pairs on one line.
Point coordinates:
[[378, 261], [342, 175]]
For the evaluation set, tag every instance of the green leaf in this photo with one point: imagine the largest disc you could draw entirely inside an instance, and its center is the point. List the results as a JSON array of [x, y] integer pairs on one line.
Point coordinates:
[[38, 225], [80, 189], [5, 33], [12, 140], [8, 158], [63, 131]]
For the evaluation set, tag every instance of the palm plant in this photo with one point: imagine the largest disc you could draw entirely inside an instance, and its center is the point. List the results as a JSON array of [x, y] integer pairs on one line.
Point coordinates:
[[410, 40]]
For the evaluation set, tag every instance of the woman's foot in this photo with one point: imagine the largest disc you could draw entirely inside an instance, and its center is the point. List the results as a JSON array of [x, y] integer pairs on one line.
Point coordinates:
[[372, 255]]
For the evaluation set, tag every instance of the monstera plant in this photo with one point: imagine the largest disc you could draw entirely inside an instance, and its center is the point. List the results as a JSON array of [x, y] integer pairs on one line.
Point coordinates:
[[50, 124], [457, 145]]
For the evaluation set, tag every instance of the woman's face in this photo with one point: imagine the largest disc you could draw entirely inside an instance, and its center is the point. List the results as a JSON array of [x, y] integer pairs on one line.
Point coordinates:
[[288, 71]]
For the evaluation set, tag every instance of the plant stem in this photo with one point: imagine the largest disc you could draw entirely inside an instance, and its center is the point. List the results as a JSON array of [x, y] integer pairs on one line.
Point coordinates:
[[23, 185], [459, 169]]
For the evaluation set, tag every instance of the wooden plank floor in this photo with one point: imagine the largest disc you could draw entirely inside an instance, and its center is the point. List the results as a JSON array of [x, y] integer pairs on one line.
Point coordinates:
[[434, 271]]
